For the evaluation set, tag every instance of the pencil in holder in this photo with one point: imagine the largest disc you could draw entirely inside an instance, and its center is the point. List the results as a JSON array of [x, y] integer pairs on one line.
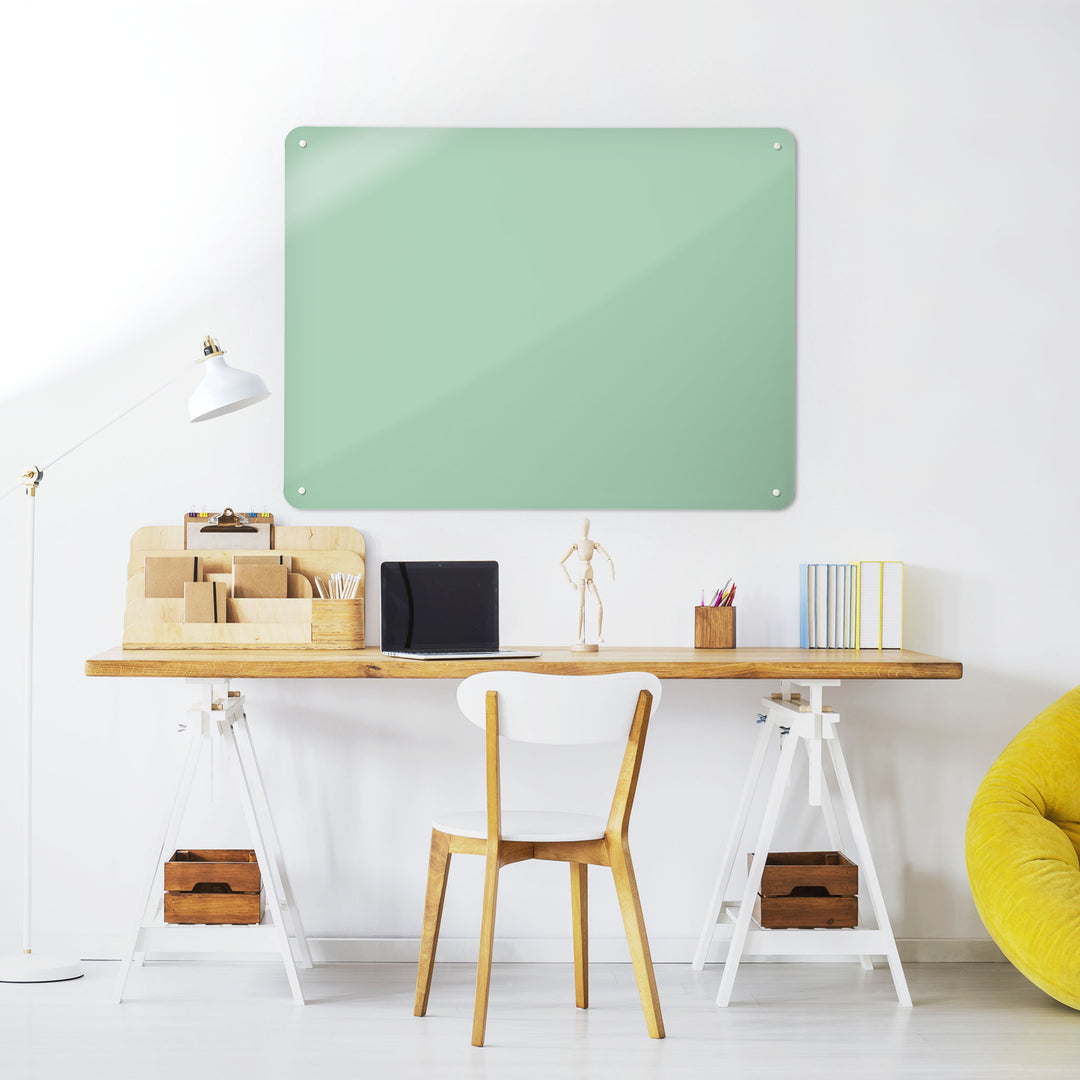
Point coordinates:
[[714, 627]]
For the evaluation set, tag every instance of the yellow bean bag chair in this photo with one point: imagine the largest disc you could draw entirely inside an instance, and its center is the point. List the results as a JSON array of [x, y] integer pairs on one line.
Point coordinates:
[[1023, 839]]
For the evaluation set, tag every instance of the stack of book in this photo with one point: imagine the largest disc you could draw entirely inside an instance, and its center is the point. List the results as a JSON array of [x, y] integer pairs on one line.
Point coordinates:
[[851, 605]]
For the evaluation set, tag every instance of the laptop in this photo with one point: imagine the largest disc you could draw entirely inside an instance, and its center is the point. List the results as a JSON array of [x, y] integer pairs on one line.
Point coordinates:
[[442, 611]]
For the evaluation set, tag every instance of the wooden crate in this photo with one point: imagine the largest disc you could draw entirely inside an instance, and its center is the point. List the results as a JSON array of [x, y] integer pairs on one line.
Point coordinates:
[[807, 890], [214, 886]]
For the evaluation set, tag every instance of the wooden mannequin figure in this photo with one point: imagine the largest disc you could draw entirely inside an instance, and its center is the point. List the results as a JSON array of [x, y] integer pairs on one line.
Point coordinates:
[[585, 548]]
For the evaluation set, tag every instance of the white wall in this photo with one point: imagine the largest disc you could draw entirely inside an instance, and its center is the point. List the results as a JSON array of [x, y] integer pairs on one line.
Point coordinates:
[[937, 382]]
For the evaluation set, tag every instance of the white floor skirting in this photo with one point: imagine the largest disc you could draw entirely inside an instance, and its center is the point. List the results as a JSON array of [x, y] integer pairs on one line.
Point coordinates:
[[529, 951]]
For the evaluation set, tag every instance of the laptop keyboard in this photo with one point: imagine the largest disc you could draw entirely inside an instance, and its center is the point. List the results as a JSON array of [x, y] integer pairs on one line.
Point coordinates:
[[500, 655]]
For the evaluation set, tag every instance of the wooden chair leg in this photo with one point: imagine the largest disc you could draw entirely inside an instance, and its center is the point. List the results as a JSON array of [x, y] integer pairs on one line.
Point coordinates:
[[634, 922], [438, 871], [579, 904], [487, 943]]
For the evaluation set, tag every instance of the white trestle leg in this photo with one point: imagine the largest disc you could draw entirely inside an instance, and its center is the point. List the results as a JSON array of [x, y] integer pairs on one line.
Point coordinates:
[[245, 750], [221, 716], [727, 863], [795, 721]]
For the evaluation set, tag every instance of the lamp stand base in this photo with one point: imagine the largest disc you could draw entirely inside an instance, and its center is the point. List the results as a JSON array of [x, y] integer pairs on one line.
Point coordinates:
[[28, 968]]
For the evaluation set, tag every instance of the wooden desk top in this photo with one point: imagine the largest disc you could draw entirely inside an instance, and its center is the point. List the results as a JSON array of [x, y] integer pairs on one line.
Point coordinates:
[[665, 663]]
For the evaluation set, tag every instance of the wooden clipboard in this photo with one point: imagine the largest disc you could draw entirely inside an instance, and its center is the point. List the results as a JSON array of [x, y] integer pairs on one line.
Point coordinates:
[[229, 531]]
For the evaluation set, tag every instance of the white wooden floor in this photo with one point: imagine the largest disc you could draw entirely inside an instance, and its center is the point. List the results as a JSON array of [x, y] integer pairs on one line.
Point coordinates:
[[786, 1020]]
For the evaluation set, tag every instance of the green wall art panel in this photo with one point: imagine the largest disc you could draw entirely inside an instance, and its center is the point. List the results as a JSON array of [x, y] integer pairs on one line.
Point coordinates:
[[539, 318]]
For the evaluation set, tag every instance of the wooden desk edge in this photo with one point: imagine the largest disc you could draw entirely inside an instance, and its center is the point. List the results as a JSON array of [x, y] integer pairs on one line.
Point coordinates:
[[665, 663]]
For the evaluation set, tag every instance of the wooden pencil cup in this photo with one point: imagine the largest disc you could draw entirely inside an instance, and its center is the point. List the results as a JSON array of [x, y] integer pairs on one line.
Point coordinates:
[[714, 627]]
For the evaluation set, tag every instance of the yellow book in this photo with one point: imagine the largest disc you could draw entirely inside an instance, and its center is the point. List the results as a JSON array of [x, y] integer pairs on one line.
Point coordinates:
[[870, 605], [892, 605]]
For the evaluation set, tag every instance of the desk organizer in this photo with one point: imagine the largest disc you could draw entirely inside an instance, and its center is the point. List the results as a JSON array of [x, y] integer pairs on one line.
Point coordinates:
[[714, 627], [807, 890], [213, 887], [298, 621]]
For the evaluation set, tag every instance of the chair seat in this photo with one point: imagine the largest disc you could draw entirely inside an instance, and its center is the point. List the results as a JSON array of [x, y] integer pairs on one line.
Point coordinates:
[[529, 826]]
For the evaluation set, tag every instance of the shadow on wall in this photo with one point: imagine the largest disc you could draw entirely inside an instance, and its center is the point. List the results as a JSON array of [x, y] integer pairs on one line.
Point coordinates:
[[930, 615], [357, 761]]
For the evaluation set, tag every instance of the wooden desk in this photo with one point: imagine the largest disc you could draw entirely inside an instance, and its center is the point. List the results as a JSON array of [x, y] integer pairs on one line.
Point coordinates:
[[665, 663], [794, 718]]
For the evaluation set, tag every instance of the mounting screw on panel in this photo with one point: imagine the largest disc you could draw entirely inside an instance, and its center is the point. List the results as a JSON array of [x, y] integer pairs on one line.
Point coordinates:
[[301, 490], [776, 493], [775, 146], [303, 143]]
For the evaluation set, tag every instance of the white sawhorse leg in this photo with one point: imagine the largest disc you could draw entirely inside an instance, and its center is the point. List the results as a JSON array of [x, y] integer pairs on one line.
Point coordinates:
[[727, 863], [245, 752], [868, 871], [812, 724], [153, 899], [222, 716]]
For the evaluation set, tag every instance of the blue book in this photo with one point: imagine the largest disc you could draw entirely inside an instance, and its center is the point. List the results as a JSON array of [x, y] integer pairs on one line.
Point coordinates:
[[830, 605], [841, 592]]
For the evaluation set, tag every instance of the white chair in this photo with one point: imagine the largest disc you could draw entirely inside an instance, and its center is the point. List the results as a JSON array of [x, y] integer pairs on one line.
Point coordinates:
[[565, 710]]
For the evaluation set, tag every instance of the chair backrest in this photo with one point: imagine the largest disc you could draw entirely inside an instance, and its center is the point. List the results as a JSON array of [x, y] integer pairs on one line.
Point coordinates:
[[565, 710]]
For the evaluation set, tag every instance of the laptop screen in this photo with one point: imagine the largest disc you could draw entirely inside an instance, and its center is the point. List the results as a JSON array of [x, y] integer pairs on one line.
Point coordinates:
[[440, 606]]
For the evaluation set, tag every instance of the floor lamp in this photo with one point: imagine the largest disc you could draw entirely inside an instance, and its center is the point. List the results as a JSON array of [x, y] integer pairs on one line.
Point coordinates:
[[223, 389]]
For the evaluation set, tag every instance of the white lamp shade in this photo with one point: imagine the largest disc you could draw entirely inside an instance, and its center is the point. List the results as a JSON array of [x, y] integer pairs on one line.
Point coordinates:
[[224, 390]]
